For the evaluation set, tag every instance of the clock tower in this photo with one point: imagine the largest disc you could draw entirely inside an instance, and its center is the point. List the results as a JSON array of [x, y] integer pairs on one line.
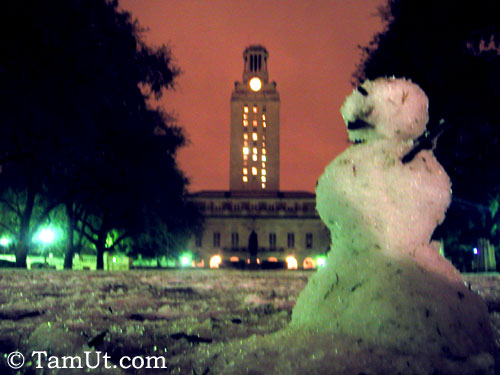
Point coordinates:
[[255, 119]]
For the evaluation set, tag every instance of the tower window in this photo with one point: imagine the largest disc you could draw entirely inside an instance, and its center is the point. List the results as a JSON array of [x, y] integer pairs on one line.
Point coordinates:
[[263, 178], [245, 136], [245, 109], [254, 171], [245, 123], [245, 179], [263, 172], [263, 185], [246, 151], [263, 117], [264, 151], [254, 157], [264, 124], [254, 109], [254, 136], [245, 143], [245, 157], [263, 165], [254, 150], [245, 170], [254, 123], [264, 158], [245, 116], [291, 240]]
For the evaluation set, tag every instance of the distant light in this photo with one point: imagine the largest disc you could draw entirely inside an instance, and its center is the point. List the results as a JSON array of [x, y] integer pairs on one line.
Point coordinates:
[[46, 236], [114, 259], [215, 261], [291, 263], [4, 241], [320, 261], [255, 84], [476, 251], [186, 260]]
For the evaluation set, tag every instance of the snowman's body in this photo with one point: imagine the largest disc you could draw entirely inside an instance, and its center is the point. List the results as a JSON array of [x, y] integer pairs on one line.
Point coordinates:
[[383, 281]]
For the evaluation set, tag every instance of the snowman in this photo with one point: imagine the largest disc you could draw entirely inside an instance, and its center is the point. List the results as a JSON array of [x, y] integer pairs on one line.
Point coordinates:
[[383, 281]]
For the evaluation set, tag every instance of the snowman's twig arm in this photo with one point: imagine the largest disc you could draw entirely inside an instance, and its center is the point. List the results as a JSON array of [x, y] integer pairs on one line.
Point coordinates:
[[426, 141]]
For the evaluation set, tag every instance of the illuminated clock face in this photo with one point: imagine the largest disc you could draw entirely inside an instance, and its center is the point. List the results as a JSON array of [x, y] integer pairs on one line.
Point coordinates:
[[255, 84]]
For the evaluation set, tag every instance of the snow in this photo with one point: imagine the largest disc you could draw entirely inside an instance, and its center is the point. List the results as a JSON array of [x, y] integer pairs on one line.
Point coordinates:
[[62, 311]]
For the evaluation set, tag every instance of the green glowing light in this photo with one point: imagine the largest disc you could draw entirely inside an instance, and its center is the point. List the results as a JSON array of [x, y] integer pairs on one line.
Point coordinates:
[[46, 236], [4, 241], [320, 261], [186, 259]]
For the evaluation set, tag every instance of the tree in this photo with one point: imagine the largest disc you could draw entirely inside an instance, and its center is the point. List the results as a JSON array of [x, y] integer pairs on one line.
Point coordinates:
[[77, 127], [452, 51]]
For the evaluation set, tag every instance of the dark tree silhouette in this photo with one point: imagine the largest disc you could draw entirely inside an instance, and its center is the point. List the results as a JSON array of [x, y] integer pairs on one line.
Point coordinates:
[[451, 49], [76, 127]]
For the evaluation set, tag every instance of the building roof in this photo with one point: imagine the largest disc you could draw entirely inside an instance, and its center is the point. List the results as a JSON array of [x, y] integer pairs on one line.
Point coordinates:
[[252, 194]]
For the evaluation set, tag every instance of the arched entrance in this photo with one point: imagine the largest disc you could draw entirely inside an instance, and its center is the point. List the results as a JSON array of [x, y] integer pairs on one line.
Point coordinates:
[[253, 247]]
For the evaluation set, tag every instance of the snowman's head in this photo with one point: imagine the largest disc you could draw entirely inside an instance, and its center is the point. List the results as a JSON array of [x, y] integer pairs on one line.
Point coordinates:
[[387, 108]]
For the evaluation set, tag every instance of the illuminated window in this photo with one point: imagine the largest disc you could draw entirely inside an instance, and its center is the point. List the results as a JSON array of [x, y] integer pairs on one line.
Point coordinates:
[[263, 165], [263, 137], [254, 109], [264, 151], [245, 170], [264, 124], [264, 158], [291, 263], [245, 157], [254, 122], [254, 171], [245, 143], [264, 117], [245, 109], [255, 150], [246, 151], [272, 259], [245, 123], [245, 116], [309, 263], [263, 185], [254, 136], [254, 157], [263, 178], [234, 259], [245, 136], [245, 179], [215, 261], [263, 172], [264, 144]]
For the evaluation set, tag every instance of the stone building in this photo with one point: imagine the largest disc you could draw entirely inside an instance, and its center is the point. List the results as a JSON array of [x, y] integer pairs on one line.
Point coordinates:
[[254, 223]]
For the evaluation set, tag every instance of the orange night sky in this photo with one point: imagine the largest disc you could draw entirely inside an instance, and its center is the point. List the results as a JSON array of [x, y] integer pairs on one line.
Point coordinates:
[[312, 54]]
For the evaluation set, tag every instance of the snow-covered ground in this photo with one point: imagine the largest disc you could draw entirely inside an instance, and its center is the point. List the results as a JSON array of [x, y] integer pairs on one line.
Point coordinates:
[[152, 313]]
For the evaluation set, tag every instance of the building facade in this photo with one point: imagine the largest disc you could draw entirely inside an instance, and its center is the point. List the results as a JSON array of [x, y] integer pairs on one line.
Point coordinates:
[[254, 224]]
